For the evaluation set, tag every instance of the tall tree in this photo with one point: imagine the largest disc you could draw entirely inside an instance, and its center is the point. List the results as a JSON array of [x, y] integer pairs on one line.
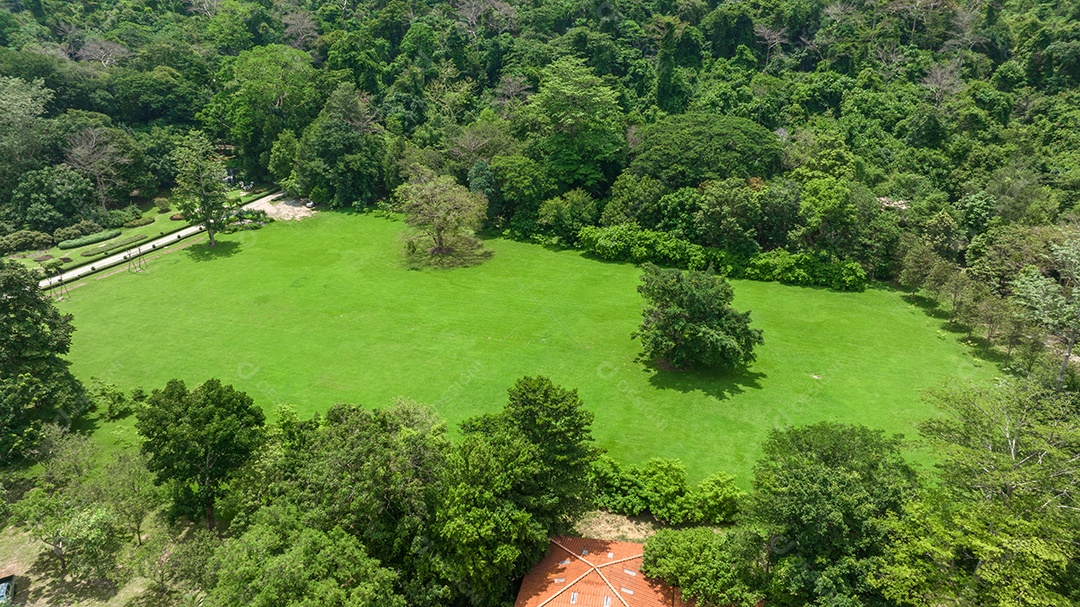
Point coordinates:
[[200, 184], [35, 384], [579, 123], [196, 440], [820, 491], [1054, 301], [689, 321], [1001, 529], [93, 153]]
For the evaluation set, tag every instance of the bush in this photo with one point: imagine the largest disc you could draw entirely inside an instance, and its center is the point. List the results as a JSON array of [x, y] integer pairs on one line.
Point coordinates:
[[119, 217], [708, 567], [660, 488], [25, 240], [630, 242], [716, 500], [617, 491], [142, 221], [75, 243], [806, 269], [162, 204], [110, 398], [83, 228]]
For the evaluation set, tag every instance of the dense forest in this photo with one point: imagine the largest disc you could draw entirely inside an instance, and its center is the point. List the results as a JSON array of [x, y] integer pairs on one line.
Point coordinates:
[[932, 145]]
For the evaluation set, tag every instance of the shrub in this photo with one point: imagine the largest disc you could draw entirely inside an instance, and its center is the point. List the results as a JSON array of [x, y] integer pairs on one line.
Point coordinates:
[[666, 491], [806, 269], [711, 568], [716, 500], [617, 491], [630, 242], [25, 240], [113, 246], [75, 243], [110, 398], [142, 221], [162, 204], [78, 230], [119, 217]]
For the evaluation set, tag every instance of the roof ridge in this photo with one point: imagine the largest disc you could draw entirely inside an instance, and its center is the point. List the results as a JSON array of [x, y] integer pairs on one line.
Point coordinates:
[[568, 586], [574, 554], [623, 560], [613, 591]]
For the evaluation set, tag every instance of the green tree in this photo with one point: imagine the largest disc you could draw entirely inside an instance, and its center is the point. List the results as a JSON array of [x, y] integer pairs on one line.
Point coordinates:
[[338, 160], [444, 215], [686, 149], [36, 386], [51, 198], [820, 492], [23, 129], [281, 560], [196, 440], [200, 184], [266, 90], [131, 491], [1002, 527], [565, 215], [689, 321], [1054, 301], [712, 568], [579, 124]]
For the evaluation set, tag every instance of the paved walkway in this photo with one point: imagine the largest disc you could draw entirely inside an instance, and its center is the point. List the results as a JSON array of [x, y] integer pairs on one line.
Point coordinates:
[[146, 247]]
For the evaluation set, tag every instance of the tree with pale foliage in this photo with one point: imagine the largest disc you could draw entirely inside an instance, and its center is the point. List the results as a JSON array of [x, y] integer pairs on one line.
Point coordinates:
[[200, 184], [443, 214], [1053, 302]]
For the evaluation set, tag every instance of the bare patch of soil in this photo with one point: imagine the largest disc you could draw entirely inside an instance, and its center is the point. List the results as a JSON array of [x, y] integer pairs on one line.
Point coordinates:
[[616, 527], [286, 209]]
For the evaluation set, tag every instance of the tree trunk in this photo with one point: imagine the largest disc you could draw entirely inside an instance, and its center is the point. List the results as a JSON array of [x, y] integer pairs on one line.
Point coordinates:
[[210, 233], [1065, 361], [210, 520]]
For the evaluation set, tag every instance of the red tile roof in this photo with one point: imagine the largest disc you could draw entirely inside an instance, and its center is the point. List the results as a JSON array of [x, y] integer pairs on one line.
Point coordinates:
[[582, 572]]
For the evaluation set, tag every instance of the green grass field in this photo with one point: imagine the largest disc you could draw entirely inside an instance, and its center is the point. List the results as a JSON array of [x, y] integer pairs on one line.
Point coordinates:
[[321, 311]]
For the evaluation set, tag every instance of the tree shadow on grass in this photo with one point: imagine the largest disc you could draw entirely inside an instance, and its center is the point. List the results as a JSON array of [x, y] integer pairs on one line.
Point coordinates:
[[978, 346], [55, 589], [223, 250], [720, 385]]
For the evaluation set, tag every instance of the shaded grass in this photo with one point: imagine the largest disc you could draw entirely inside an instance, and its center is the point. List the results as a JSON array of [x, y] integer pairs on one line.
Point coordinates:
[[322, 310]]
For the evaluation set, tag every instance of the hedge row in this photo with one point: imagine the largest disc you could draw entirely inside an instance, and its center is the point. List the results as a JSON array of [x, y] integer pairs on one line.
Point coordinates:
[[660, 488], [91, 239], [141, 221], [113, 246], [630, 242]]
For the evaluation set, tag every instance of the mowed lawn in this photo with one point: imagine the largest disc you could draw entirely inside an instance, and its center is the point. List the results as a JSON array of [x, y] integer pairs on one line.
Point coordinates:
[[322, 311]]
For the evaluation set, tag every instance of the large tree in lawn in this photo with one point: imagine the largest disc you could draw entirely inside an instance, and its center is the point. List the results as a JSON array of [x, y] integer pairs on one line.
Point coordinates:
[[197, 439], [689, 322], [35, 383], [443, 214], [200, 184]]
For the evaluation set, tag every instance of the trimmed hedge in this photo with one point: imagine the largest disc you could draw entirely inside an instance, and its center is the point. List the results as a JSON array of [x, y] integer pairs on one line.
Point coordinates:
[[113, 246], [136, 223], [75, 243]]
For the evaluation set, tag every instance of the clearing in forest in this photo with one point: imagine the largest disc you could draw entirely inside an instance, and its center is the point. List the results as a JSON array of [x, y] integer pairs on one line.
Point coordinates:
[[321, 311]]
